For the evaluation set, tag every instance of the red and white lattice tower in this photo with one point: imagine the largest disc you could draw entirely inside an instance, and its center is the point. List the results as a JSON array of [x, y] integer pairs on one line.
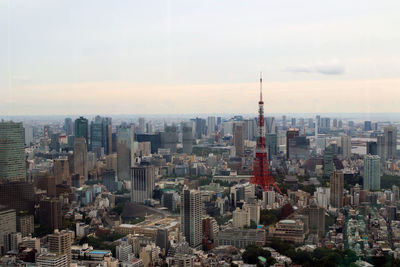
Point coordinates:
[[261, 173]]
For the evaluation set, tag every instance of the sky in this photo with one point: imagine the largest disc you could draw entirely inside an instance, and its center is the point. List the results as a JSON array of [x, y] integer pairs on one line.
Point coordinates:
[[183, 57]]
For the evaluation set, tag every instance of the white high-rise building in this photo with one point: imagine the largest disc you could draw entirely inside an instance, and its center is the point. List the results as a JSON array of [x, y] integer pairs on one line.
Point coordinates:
[[322, 195], [52, 260], [253, 209], [123, 250], [191, 217], [372, 172], [240, 218]]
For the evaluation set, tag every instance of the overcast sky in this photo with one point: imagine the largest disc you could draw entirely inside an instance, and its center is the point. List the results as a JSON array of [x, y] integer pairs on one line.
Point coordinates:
[[152, 57]]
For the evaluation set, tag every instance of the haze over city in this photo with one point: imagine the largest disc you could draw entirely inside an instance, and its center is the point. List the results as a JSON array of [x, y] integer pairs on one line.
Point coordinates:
[[174, 57]]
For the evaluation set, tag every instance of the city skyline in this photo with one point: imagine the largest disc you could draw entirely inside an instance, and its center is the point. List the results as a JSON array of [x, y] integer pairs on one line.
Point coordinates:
[[146, 58]]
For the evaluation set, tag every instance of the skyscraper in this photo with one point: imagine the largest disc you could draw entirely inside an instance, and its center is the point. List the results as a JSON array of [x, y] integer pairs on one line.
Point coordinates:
[[143, 181], [290, 134], [50, 213], [372, 148], [28, 136], [390, 147], [187, 138], [372, 172], [367, 126], [238, 138], [125, 137], [250, 129], [96, 136], [336, 186], [200, 127], [61, 171], [284, 122], [270, 126], [272, 144], [210, 126], [169, 138], [325, 125], [82, 128], [191, 223], [346, 146], [81, 157], [68, 126], [142, 126], [12, 152]]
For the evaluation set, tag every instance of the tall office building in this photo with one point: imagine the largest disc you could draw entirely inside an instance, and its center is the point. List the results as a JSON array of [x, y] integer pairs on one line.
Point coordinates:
[[81, 128], [142, 126], [328, 161], [325, 125], [335, 123], [210, 126], [125, 139], [50, 213], [336, 186], [284, 127], [299, 147], [238, 138], [18, 195], [61, 171], [346, 146], [387, 143], [271, 142], [372, 172], [372, 148], [169, 138], [250, 128], [25, 224], [143, 181], [191, 213], [28, 136], [12, 152], [81, 157], [294, 122], [200, 127], [270, 126], [390, 146], [68, 126], [187, 138], [8, 222], [96, 136], [11, 241], [60, 243], [290, 134], [367, 126], [106, 135], [316, 219]]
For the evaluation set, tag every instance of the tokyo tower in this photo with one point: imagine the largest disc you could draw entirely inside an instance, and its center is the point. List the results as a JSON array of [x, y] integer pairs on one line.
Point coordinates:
[[261, 175]]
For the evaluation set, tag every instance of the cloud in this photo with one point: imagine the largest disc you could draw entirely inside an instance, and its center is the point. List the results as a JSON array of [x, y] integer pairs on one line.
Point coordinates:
[[326, 68]]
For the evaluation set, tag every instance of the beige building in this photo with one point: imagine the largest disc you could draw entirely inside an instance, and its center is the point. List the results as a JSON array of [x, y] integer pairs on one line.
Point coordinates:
[[288, 230], [240, 218], [60, 243]]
